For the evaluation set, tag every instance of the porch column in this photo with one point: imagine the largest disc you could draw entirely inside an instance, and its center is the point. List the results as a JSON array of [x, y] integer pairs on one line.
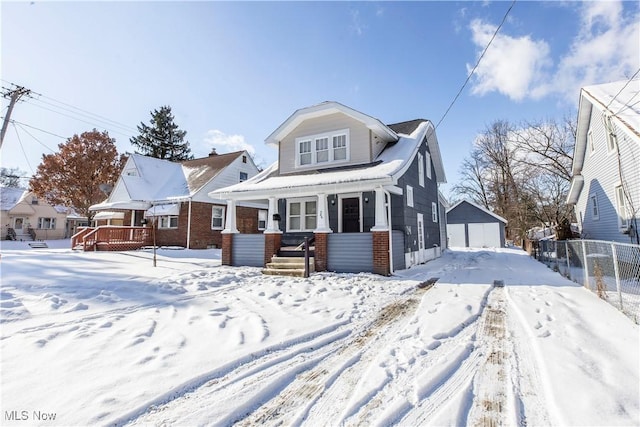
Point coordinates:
[[321, 233], [228, 232], [272, 235], [272, 226], [381, 213]]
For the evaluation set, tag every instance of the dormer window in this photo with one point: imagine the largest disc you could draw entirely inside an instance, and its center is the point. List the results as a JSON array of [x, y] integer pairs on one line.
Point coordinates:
[[322, 148]]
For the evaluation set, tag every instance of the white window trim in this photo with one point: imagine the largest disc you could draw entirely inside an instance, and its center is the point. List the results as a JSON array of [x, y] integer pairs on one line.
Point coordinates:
[[427, 161], [593, 199], [623, 210], [350, 196], [52, 223], [421, 169], [303, 213], [240, 176], [168, 218], [266, 218], [434, 212], [224, 217], [314, 159], [410, 196], [610, 135]]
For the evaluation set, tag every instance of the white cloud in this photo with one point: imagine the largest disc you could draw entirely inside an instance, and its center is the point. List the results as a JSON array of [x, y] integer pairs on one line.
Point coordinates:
[[224, 143], [511, 66], [605, 49]]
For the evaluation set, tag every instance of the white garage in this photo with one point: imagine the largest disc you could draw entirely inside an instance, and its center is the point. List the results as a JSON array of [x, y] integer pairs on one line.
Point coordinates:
[[470, 225]]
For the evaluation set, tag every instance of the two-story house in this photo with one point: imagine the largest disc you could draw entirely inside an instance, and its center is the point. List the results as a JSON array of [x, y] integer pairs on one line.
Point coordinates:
[[605, 187], [173, 195], [365, 193]]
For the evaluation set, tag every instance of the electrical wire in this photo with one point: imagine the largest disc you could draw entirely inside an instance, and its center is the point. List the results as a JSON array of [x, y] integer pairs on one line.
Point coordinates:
[[504, 18], [40, 142], [22, 148], [623, 88], [41, 130]]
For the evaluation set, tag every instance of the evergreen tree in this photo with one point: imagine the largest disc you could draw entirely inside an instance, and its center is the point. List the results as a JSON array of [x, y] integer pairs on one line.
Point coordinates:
[[162, 139]]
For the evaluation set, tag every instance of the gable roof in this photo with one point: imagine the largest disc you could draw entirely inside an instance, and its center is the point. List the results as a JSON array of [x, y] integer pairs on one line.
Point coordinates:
[[496, 216], [156, 180], [390, 165], [616, 99], [324, 109], [10, 196]]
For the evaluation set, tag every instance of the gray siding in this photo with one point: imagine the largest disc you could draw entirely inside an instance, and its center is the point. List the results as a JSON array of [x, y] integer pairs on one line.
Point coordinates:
[[406, 218], [601, 172], [350, 252], [248, 249], [398, 250]]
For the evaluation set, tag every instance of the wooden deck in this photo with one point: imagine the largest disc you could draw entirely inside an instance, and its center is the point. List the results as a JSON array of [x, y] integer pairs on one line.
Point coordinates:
[[111, 238]]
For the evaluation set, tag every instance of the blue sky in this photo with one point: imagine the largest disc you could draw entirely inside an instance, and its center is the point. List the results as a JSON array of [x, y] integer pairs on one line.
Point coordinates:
[[234, 71]]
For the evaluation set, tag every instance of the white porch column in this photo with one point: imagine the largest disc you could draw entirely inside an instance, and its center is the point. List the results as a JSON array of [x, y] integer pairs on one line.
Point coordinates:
[[381, 214], [272, 226], [322, 215], [230, 221]]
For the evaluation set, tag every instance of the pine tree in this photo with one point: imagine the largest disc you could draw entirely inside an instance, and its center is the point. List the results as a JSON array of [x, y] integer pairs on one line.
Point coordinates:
[[162, 139]]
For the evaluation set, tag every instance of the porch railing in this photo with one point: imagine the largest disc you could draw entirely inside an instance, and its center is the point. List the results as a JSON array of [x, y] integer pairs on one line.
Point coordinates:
[[109, 237]]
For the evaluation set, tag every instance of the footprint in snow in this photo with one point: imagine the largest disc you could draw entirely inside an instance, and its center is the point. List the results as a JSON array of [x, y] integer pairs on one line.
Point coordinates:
[[549, 318], [545, 334], [537, 325]]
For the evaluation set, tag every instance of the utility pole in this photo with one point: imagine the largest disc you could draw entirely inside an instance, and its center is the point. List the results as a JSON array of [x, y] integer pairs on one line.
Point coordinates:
[[13, 95]]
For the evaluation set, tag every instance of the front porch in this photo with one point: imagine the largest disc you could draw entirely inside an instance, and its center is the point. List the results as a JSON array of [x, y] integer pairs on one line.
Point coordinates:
[[349, 232]]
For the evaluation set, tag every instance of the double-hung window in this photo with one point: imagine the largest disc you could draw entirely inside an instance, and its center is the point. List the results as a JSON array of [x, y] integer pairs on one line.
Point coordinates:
[[427, 161], [340, 147], [421, 169], [434, 212], [168, 221], [301, 215], [595, 213], [409, 196], [622, 207], [322, 148], [217, 217], [46, 223], [243, 176]]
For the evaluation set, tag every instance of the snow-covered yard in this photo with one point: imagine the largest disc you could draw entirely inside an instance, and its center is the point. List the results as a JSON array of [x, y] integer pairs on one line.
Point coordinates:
[[105, 338]]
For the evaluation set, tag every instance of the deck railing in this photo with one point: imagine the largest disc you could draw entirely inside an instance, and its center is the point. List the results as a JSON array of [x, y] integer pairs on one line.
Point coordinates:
[[110, 237]]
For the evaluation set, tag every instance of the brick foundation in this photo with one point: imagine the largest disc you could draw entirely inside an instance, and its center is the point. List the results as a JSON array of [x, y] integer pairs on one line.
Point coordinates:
[[227, 249], [272, 244], [381, 264], [321, 251]]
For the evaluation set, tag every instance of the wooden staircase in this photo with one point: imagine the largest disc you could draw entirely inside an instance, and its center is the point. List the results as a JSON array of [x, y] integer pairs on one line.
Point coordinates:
[[288, 266]]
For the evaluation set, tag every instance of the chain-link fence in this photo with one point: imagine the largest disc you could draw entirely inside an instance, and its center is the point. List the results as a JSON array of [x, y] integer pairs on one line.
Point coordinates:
[[611, 270]]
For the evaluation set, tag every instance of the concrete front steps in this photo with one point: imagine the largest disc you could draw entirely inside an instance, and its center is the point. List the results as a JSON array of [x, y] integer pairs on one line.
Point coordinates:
[[288, 266]]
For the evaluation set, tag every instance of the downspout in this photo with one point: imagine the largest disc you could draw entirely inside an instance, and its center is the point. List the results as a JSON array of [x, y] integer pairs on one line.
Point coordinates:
[[388, 195], [189, 226]]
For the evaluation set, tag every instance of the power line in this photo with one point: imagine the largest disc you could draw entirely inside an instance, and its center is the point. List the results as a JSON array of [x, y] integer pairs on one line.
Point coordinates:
[[623, 88], [29, 133], [504, 18], [22, 148], [41, 130]]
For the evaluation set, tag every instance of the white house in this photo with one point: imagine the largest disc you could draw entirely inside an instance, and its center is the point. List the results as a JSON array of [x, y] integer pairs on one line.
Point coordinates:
[[605, 188]]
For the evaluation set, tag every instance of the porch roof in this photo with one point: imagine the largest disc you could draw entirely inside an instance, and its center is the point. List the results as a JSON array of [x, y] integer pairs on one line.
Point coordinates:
[[385, 171], [126, 204]]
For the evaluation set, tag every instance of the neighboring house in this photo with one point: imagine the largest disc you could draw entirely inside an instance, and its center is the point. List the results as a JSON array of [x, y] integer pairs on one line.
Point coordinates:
[[26, 217], [472, 226], [605, 188], [175, 195], [366, 192]]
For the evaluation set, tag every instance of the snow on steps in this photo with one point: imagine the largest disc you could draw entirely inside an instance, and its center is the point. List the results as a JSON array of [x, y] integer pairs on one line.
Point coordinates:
[[288, 266]]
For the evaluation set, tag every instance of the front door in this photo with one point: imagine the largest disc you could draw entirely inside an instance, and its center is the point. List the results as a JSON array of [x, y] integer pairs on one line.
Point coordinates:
[[18, 223], [421, 251], [351, 215]]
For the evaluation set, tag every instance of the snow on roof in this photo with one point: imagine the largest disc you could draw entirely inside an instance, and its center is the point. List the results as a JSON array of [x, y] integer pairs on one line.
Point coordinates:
[[389, 165], [620, 100], [10, 196]]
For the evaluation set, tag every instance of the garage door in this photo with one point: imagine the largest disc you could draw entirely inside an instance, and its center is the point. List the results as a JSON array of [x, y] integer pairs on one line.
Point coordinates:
[[484, 235], [456, 235]]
